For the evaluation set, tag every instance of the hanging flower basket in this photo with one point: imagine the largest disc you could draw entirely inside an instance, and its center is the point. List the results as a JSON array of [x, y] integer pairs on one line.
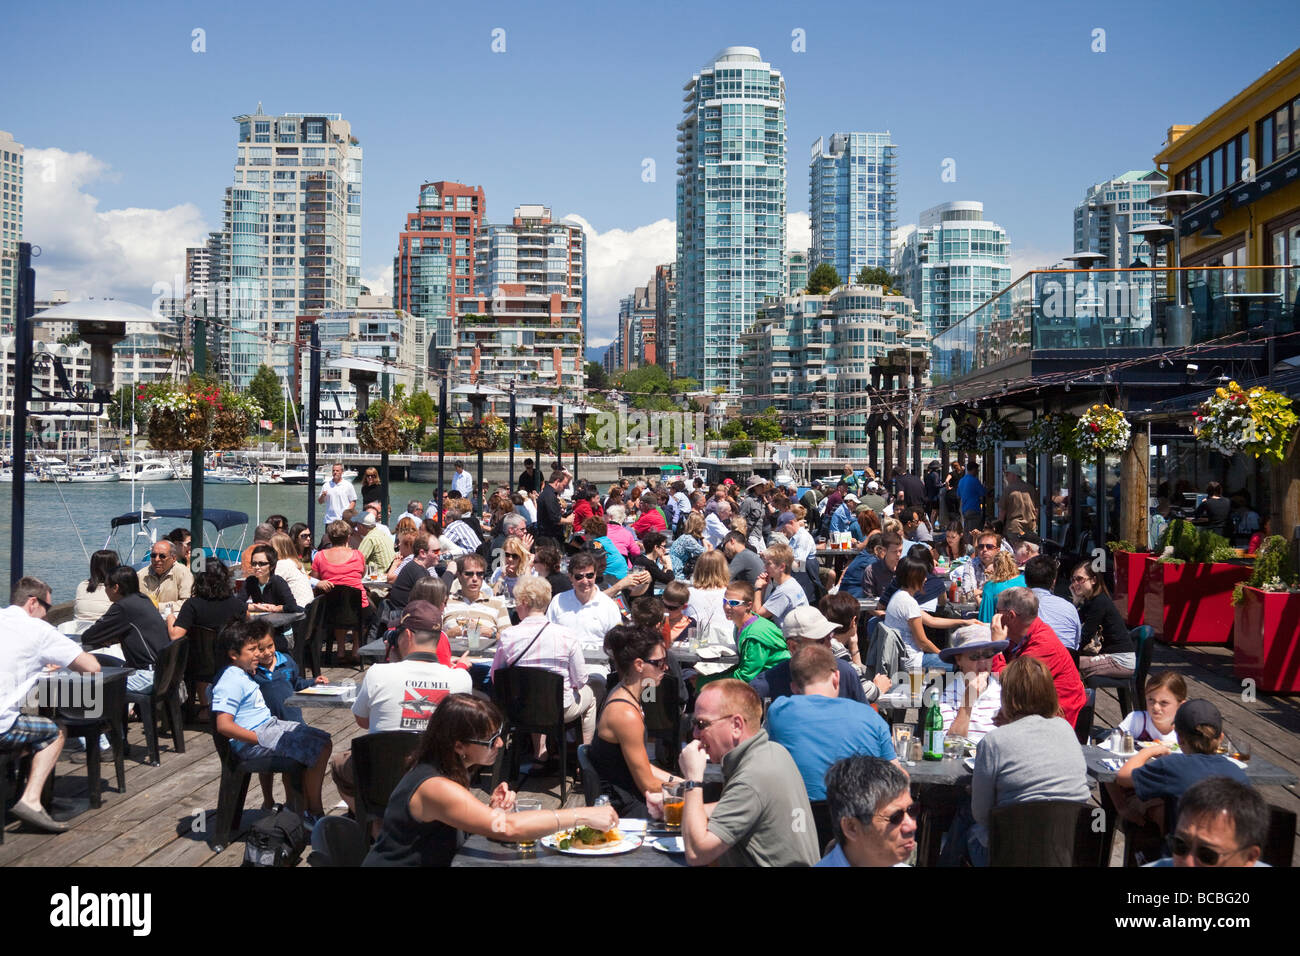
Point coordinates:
[[537, 440], [198, 415], [575, 436], [385, 428], [1102, 430], [1256, 422], [478, 437], [1052, 434], [992, 433]]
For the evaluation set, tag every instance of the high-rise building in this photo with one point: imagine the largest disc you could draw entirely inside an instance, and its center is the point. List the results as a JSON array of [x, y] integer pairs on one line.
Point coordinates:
[[292, 235], [1110, 209], [524, 322], [731, 167], [810, 357], [954, 261], [623, 336], [434, 266], [796, 273], [11, 227], [666, 317], [643, 320], [851, 198]]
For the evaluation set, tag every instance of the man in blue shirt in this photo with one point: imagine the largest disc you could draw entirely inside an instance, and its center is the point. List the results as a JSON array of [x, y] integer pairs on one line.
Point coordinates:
[[872, 813], [972, 492], [818, 726], [855, 574], [1059, 614]]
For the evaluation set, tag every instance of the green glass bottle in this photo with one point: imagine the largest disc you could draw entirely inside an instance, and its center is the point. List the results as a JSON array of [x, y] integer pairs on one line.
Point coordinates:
[[932, 731]]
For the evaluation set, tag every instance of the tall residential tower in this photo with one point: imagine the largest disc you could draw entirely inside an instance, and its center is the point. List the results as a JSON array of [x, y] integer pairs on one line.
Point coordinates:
[[954, 261], [11, 227], [731, 165], [851, 199]]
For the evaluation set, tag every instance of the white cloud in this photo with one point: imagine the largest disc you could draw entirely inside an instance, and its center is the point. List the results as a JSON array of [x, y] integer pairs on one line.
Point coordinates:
[[379, 279], [93, 252], [620, 260], [1023, 260]]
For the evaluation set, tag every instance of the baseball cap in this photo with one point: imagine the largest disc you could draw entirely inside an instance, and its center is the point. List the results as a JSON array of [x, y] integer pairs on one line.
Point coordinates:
[[850, 497], [807, 623], [873, 486], [422, 616], [784, 518], [1193, 713]]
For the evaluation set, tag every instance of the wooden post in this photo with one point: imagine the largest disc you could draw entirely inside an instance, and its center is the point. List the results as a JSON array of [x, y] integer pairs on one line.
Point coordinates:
[[1284, 491], [1134, 473]]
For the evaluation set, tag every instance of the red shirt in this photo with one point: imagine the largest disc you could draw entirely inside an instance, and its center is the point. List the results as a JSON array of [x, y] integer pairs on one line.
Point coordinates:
[[582, 511], [1041, 642], [649, 521]]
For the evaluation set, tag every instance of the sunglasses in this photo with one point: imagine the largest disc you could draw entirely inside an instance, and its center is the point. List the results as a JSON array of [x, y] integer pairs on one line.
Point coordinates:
[[659, 662], [471, 574], [158, 557], [732, 602], [584, 577], [896, 818], [673, 607], [491, 741], [304, 534], [702, 725], [259, 564], [1204, 854], [45, 604], [988, 547]]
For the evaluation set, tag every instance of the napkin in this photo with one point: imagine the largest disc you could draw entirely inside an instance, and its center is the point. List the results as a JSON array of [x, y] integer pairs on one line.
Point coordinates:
[[711, 652], [709, 668]]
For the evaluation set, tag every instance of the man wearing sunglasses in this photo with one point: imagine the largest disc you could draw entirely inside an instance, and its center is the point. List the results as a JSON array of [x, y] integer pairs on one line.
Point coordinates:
[[872, 813], [757, 821], [165, 580], [471, 602], [585, 610], [1221, 822]]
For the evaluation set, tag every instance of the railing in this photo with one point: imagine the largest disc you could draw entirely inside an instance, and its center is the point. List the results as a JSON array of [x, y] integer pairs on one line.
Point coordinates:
[[1099, 311]]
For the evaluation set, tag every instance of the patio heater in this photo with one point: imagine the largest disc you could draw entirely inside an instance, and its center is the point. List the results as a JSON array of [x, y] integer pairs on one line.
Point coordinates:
[[362, 374], [532, 438], [1177, 202], [580, 415], [1153, 234], [101, 323]]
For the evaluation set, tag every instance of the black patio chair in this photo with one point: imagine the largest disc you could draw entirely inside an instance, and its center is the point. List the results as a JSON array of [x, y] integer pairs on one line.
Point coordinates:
[[340, 612], [532, 700], [306, 640], [1132, 688], [379, 761], [235, 777], [201, 666], [103, 712], [590, 778], [1041, 833], [1083, 723], [821, 811], [663, 716], [164, 700], [342, 842]]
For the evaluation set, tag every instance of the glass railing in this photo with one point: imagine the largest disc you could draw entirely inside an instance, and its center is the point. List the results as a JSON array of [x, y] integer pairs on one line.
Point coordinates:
[[1099, 311]]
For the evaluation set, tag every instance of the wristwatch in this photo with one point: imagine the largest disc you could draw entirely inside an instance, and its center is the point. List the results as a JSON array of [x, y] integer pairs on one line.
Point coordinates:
[[692, 785]]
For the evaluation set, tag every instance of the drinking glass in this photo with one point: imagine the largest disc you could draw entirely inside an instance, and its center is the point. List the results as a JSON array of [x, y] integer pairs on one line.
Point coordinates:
[[1240, 750], [523, 805], [349, 689], [902, 741], [674, 803]]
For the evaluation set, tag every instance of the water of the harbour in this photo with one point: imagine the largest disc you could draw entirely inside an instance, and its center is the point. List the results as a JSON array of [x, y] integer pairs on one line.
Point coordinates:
[[66, 522]]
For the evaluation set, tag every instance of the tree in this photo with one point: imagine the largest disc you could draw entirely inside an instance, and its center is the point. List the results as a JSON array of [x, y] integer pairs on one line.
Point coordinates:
[[422, 405], [265, 387], [72, 338], [766, 427], [596, 377], [878, 275], [733, 430], [741, 448], [823, 279]]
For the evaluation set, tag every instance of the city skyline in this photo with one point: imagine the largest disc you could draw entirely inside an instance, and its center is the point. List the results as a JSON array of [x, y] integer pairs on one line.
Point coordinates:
[[115, 207]]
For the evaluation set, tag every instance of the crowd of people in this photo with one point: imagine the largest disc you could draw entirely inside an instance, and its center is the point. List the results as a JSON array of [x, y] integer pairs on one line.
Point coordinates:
[[551, 571]]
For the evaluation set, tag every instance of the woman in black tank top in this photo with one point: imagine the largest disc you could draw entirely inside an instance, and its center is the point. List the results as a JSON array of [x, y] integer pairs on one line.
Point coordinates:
[[618, 751], [432, 807]]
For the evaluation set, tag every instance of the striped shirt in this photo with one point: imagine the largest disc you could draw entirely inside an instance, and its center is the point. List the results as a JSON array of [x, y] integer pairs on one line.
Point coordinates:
[[981, 715], [557, 649], [488, 609]]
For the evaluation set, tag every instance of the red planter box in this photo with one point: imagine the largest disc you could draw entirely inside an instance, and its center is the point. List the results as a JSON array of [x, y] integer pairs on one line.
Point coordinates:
[[1266, 641], [1192, 603], [1131, 585]]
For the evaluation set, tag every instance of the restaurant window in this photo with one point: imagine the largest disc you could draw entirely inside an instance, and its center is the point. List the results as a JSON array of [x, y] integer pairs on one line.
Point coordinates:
[[1282, 131], [1265, 131]]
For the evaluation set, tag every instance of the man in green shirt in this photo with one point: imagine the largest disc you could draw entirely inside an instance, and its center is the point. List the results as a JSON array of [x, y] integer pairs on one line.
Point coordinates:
[[763, 817], [377, 546]]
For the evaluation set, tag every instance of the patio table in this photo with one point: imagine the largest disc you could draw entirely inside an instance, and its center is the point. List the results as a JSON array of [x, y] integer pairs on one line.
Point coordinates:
[[1260, 771], [480, 851]]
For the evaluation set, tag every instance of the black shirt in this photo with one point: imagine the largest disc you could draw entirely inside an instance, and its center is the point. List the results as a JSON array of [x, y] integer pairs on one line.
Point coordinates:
[[549, 513], [528, 481], [1099, 613], [877, 579], [276, 592], [1217, 511], [371, 493], [657, 574], [559, 583], [406, 841], [200, 612], [399, 595], [134, 623], [913, 490]]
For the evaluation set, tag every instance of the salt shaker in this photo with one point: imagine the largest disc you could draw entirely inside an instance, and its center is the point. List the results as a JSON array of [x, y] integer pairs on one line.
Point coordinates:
[[917, 753], [1116, 740], [1128, 743]]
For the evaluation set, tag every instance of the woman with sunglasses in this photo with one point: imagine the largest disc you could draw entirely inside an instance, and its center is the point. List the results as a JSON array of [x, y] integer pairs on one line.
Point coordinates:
[[618, 751], [1105, 646], [267, 591], [432, 808], [300, 534], [971, 703]]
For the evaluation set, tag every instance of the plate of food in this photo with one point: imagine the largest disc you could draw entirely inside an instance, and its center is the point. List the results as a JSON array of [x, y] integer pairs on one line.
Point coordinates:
[[586, 841]]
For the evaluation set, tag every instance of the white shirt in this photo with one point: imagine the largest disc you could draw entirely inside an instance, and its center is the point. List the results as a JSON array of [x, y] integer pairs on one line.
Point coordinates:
[[298, 580], [462, 536], [556, 649], [704, 607], [28, 645], [338, 498], [463, 483], [802, 544], [715, 530], [902, 608], [590, 621], [403, 695]]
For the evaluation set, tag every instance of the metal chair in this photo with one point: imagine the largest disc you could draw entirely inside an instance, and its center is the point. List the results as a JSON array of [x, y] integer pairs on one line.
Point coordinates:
[[104, 712], [235, 776], [1131, 688]]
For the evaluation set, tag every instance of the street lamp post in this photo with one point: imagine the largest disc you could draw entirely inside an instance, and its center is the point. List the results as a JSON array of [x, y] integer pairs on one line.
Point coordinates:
[[513, 410], [478, 396]]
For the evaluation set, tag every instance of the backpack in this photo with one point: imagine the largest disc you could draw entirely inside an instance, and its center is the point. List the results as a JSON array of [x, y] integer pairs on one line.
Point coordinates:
[[277, 839]]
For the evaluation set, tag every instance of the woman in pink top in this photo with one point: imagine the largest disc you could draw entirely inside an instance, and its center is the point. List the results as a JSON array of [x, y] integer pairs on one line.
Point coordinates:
[[624, 538], [339, 564]]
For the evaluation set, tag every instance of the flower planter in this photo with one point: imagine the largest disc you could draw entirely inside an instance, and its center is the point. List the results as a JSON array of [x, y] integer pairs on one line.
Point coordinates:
[[1266, 640], [1131, 585], [1192, 603], [178, 429]]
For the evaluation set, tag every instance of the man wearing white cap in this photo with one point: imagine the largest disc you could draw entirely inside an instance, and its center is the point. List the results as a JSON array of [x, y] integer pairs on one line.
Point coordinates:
[[754, 512], [872, 498], [802, 627], [377, 545], [844, 518]]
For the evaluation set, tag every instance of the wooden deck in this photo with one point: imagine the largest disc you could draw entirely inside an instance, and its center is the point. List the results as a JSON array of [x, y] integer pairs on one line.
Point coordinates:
[[154, 822]]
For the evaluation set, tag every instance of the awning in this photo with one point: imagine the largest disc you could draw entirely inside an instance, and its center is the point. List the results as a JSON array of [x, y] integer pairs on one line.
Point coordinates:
[[1270, 179], [1197, 218]]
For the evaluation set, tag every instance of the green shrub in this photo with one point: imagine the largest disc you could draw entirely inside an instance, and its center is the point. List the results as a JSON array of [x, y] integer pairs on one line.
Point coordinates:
[[1121, 545], [1272, 562], [1183, 537]]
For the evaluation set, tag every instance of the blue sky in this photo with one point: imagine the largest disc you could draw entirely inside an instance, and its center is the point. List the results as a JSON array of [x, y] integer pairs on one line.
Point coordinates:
[[581, 96]]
